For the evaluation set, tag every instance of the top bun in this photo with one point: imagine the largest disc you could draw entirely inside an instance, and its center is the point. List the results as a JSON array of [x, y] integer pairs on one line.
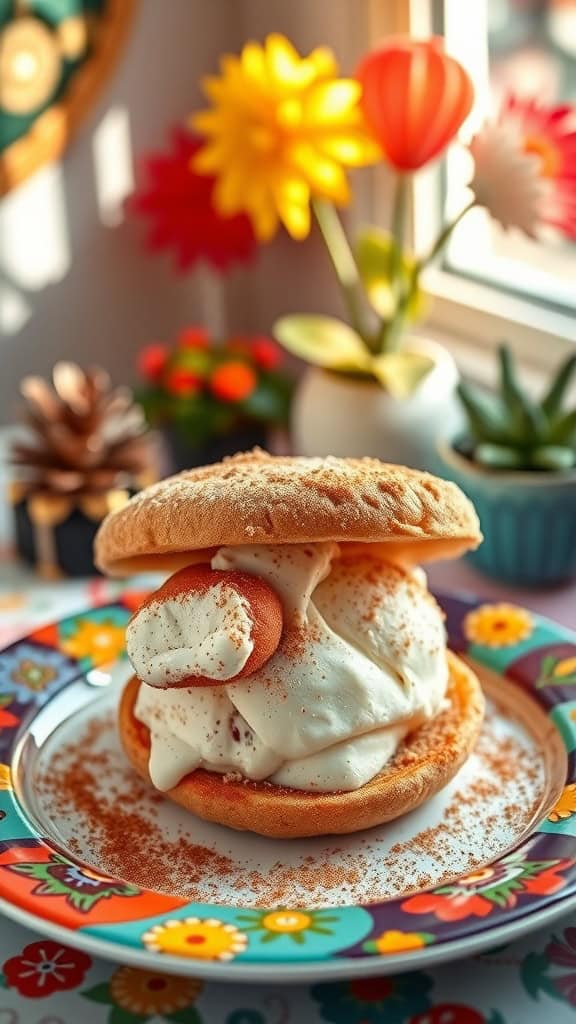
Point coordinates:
[[256, 498]]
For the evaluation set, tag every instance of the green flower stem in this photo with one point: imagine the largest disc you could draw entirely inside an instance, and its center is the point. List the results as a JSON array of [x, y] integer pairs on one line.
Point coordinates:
[[444, 236], [391, 332], [342, 259], [399, 211], [389, 335]]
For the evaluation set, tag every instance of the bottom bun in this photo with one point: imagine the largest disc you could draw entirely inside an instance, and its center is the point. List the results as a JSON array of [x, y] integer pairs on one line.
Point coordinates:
[[427, 760]]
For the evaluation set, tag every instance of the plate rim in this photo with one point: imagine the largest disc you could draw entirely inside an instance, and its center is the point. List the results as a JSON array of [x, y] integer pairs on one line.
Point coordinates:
[[297, 971]]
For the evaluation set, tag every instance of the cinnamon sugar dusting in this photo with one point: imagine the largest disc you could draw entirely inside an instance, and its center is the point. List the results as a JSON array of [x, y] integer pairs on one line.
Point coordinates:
[[95, 806]]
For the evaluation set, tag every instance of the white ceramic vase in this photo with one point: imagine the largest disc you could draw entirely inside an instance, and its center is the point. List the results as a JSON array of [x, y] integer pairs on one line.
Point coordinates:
[[335, 415]]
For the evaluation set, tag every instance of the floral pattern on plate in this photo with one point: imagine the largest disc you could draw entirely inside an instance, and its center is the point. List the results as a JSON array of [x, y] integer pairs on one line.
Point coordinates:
[[81, 886], [30, 674], [499, 885]]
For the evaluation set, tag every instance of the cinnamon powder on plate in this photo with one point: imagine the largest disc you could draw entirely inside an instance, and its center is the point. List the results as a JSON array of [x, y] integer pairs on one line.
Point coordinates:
[[117, 824]]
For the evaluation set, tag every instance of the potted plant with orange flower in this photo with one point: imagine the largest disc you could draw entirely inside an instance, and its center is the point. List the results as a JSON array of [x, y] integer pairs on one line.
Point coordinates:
[[212, 400], [280, 137]]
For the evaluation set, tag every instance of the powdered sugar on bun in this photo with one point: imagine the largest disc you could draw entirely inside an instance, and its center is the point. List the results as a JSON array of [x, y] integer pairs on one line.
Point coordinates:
[[204, 627]]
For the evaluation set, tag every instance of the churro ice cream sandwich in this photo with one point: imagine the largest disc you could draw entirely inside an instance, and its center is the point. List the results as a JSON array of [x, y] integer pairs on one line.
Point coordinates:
[[291, 673]]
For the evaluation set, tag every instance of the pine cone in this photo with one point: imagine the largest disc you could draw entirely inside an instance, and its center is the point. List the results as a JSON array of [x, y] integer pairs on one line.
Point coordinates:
[[87, 436]]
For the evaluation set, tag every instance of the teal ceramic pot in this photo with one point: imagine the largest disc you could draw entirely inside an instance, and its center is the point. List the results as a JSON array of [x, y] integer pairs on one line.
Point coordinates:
[[528, 520]]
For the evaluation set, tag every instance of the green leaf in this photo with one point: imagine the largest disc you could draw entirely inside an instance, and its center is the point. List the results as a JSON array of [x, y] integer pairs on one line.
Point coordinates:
[[497, 896], [552, 402], [553, 457], [564, 430], [99, 994], [533, 975], [120, 1016], [486, 419], [529, 421], [189, 1015], [499, 456], [548, 665], [267, 405], [401, 373], [323, 341], [376, 253]]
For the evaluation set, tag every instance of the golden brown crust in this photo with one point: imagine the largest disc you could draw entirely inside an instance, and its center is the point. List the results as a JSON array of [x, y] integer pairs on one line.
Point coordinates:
[[256, 498], [430, 758]]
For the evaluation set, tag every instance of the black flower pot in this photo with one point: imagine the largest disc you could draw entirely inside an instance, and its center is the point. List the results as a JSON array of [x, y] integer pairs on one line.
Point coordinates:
[[72, 542], [180, 454], [56, 535]]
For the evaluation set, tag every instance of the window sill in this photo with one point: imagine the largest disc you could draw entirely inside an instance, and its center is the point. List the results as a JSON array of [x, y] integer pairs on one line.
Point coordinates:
[[472, 319]]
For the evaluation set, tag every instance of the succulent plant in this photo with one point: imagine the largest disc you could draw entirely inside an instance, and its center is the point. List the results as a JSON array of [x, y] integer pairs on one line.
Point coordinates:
[[510, 430]]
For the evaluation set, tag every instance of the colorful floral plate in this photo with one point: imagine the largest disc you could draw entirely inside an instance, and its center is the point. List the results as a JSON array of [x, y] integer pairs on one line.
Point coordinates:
[[487, 859]]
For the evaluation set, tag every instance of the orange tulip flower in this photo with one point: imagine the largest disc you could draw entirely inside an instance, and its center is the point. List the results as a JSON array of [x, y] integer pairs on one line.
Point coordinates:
[[414, 99]]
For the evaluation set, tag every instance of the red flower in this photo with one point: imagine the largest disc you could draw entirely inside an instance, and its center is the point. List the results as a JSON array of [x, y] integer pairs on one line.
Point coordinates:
[[414, 99], [563, 955], [194, 337], [183, 383], [233, 381], [152, 360], [7, 719], [177, 202], [448, 907], [266, 353], [46, 967], [550, 135], [449, 1013], [548, 881]]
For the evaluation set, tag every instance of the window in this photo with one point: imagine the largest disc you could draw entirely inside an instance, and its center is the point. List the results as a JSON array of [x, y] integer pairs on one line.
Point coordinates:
[[490, 284], [525, 47]]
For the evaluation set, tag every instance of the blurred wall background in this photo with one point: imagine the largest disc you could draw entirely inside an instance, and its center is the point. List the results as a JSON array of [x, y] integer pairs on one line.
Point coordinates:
[[74, 280]]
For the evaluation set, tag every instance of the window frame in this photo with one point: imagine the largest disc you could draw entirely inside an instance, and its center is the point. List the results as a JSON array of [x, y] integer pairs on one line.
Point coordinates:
[[468, 315]]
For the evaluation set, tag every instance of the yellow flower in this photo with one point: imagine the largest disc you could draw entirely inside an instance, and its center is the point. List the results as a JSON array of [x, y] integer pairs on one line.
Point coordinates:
[[206, 939], [498, 625], [477, 877], [397, 942], [566, 804], [5, 777], [150, 993], [565, 667], [286, 921], [281, 131], [100, 641]]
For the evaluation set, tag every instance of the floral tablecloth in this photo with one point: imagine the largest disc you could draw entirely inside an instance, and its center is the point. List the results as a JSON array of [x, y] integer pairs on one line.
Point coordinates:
[[43, 982]]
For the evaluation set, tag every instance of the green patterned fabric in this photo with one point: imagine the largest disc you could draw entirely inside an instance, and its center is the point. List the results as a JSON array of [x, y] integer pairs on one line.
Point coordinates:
[[52, 12]]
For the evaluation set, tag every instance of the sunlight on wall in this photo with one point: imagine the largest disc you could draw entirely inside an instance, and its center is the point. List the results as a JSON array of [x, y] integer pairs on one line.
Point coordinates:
[[14, 310], [112, 151], [34, 247]]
